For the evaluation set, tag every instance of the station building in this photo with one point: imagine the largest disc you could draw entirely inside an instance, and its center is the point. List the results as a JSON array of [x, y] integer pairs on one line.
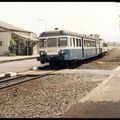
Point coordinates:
[[22, 37]]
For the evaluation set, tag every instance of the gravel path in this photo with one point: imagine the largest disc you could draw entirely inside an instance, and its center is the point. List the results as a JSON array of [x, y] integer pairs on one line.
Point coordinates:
[[46, 97]]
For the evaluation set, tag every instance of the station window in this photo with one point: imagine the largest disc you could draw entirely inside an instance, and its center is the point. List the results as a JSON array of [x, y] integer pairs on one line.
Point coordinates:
[[0, 43], [70, 41]]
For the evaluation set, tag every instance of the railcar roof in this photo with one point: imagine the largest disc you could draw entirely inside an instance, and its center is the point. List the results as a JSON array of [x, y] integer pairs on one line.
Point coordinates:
[[64, 33]]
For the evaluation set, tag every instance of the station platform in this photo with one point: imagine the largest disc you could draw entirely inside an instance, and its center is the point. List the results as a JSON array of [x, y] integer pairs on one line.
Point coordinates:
[[5, 59], [16, 58], [101, 102]]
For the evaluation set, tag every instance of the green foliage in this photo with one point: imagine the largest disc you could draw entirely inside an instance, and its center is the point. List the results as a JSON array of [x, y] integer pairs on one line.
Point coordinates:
[[25, 50], [12, 47], [29, 47]]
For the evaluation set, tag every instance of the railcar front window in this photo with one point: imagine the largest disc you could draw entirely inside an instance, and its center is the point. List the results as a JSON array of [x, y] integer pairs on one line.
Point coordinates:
[[71, 42], [80, 42], [52, 42], [62, 41]]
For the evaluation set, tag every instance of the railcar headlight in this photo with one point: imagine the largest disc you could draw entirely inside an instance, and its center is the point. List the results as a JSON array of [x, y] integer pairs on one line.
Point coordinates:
[[61, 52], [43, 53]]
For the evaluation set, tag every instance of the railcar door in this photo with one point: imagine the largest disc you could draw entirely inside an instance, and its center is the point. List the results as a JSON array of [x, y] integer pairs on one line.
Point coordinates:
[[82, 48], [97, 47], [74, 46]]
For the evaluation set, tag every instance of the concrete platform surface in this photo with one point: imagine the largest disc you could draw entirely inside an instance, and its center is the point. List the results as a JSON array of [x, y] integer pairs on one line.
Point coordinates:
[[16, 58], [102, 102]]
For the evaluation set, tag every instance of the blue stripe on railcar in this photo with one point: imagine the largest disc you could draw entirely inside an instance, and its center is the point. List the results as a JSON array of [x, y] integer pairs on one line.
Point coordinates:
[[72, 54], [89, 52]]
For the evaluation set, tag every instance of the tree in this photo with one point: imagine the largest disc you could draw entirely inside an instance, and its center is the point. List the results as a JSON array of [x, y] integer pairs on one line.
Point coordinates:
[[12, 47], [31, 45]]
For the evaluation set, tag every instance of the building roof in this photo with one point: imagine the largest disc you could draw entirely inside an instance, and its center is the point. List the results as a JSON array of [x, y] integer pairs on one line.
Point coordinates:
[[11, 27], [26, 36]]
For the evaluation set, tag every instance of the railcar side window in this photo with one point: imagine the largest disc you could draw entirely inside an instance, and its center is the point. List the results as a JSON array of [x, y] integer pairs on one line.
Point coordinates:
[[85, 43], [80, 42], [0, 43], [88, 43], [73, 42], [42, 42], [52, 42], [77, 42], [62, 41], [93, 44]]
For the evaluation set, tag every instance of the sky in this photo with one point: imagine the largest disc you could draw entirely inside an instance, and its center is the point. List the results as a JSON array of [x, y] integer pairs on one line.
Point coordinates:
[[82, 17]]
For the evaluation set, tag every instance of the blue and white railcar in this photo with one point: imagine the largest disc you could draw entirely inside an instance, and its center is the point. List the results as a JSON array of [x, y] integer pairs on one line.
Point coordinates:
[[63, 47]]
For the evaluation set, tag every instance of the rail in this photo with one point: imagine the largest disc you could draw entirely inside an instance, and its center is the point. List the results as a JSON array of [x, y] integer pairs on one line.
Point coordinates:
[[5, 83]]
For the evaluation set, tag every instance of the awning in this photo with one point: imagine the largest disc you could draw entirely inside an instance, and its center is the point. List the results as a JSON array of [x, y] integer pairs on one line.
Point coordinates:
[[26, 36]]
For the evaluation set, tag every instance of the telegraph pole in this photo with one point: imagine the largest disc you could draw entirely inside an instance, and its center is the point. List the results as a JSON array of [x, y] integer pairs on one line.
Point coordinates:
[[118, 25], [44, 22]]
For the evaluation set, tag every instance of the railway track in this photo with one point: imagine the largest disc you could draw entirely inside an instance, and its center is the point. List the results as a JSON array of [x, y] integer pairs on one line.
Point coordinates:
[[5, 83]]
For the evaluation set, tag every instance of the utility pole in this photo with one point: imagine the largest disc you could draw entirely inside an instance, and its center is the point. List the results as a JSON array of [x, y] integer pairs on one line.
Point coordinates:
[[118, 24], [119, 20], [44, 22]]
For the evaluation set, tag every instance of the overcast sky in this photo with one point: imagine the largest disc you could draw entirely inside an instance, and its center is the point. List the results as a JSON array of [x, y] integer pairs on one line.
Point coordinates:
[[81, 17]]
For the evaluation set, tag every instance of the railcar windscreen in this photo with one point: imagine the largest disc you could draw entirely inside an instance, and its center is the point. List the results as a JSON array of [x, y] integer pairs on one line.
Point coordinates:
[[62, 41], [52, 42]]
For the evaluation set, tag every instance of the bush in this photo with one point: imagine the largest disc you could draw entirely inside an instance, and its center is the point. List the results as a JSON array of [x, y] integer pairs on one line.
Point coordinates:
[[29, 46], [12, 47]]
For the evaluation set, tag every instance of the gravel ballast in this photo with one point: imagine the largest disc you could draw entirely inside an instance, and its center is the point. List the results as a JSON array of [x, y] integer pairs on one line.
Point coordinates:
[[53, 95], [46, 97]]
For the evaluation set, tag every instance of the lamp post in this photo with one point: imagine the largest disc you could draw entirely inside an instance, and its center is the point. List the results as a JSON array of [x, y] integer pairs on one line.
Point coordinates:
[[119, 20], [44, 22]]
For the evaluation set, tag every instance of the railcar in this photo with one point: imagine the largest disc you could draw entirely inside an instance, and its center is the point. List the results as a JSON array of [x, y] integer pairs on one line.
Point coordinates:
[[64, 47]]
